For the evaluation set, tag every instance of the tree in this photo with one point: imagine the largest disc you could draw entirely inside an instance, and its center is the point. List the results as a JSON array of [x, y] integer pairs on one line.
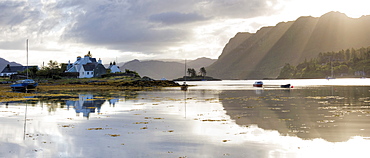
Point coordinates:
[[287, 71], [53, 64], [341, 69], [32, 70], [203, 71], [51, 71], [192, 72]]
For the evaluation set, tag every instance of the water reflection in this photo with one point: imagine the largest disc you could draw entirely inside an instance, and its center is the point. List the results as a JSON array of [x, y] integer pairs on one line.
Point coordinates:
[[333, 113], [86, 104], [197, 123]]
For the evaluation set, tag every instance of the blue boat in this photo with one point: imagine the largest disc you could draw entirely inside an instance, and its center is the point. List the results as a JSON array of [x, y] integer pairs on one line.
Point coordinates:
[[25, 84]]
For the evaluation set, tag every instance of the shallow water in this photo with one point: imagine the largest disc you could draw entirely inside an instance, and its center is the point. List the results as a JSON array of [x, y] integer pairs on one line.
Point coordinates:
[[212, 119]]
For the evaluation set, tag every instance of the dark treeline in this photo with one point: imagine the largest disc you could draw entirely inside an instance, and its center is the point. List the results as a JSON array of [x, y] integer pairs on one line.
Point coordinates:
[[344, 63], [193, 73]]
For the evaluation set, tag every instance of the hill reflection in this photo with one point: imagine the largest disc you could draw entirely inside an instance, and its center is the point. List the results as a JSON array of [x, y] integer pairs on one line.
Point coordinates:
[[332, 113]]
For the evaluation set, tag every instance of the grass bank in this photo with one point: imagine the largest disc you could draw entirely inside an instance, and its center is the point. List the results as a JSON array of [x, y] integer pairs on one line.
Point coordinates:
[[62, 87]]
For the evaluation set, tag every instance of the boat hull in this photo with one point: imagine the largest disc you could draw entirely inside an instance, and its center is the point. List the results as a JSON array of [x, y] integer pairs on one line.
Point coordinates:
[[184, 87], [285, 86], [24, 85], [257, 85]]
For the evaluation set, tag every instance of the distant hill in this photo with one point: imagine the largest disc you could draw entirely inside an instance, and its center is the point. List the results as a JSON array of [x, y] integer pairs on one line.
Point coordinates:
[[199, 63], [162, 69], [4, 62], [262, 54]]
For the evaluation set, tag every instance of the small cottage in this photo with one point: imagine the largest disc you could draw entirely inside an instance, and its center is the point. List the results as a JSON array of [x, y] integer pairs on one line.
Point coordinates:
[[11, 70], [113, 68], [87, 67]]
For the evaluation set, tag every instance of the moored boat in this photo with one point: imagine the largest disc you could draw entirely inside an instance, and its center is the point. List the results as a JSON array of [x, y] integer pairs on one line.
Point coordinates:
[[286, 86], [258, 84], [184, 86], [24, 84]]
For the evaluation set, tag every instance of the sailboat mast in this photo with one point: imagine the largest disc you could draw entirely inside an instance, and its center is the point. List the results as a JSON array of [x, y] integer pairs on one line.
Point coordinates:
[[331, 66], [185, 69], [27, 57]]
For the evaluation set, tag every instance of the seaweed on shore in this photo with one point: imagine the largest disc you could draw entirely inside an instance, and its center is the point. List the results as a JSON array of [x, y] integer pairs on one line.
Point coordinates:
[[67, 88]]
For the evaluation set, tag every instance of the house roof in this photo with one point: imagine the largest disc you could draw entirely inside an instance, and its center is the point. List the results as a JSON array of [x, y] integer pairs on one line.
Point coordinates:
[[72, 69], [93, 60], [13, 69], [89, 67], [110, 66]]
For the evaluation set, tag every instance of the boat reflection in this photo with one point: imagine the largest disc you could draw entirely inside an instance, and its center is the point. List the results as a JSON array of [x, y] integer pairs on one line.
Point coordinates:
[[335, 114]]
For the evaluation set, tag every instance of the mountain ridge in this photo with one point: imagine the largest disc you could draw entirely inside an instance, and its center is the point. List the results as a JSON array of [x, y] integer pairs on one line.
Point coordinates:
[[4, 62], [157, 69], [262, 54]]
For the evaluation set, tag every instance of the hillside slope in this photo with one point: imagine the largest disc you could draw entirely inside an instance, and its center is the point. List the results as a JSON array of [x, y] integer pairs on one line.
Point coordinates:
[[264, 53], [4, 62], [160, 69]]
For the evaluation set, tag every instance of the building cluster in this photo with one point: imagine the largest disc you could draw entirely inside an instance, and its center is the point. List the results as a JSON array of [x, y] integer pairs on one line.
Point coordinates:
[[86, 67]]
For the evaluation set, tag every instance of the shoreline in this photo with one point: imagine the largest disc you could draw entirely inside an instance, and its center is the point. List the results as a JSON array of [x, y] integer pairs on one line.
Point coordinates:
[[64, 88]]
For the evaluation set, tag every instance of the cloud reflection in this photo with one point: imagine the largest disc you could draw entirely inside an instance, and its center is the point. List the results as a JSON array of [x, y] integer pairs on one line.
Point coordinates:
[[164, 124]]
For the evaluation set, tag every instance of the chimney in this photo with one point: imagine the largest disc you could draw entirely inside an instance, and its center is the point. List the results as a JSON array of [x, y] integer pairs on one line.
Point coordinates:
[[69, 65], [99, 61]]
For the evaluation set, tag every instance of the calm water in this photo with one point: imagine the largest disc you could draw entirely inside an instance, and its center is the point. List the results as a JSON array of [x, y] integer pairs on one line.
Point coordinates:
[[316, 118]]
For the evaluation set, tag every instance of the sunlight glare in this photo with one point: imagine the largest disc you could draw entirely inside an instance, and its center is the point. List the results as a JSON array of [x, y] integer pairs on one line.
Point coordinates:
[[316, 8]]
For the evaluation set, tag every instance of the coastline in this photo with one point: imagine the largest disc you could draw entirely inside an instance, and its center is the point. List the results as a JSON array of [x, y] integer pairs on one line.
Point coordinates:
[[65, 87]]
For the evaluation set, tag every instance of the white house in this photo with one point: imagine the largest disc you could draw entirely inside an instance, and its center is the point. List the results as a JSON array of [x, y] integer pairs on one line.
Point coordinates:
[[87, 67], [87, 70], [114, 68]]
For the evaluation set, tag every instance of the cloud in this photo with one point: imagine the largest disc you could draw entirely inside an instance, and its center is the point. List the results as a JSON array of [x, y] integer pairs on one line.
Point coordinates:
[[147, 27], [170, 18], [14, 13], [237, 8], [121, 26]]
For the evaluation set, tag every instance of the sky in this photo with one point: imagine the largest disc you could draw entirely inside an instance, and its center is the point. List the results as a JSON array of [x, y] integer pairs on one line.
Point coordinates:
[[123, 30]]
